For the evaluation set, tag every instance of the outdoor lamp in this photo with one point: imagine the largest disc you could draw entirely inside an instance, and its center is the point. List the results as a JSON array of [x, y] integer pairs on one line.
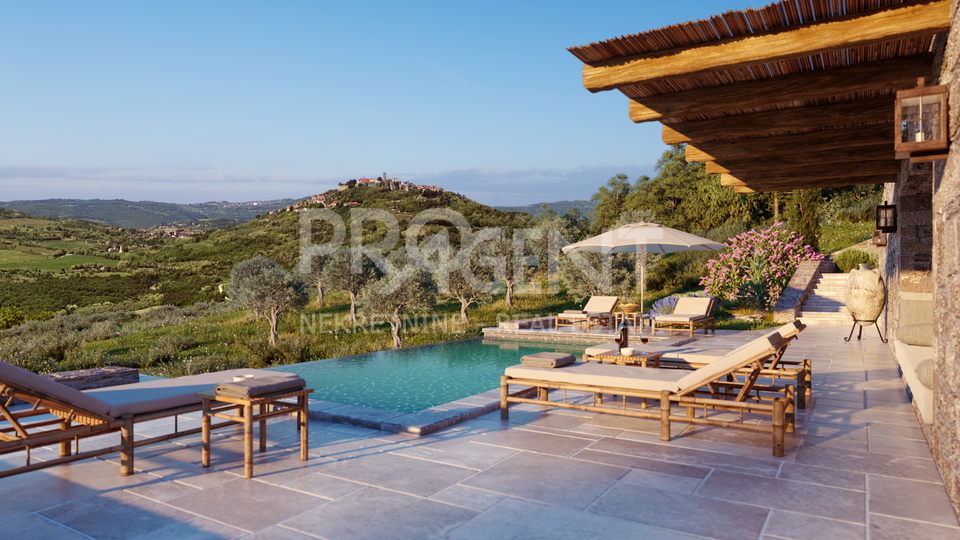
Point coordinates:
[[887, 218], [921, 122]]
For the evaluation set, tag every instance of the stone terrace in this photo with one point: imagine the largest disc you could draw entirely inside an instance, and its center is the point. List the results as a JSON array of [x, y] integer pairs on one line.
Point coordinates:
[[858, 467]]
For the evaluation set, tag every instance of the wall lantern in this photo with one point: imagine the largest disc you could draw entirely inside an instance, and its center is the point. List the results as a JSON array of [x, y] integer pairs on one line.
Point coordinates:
[[887, 218], [921, 123]]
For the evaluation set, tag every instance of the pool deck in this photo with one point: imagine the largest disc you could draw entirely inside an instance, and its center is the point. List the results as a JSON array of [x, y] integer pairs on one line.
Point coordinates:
[[858, 467]]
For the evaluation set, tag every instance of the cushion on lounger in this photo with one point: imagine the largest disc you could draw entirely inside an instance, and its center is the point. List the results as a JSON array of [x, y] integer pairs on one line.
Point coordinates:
[[548, 359], [29, 381], [604, 375], [607, 348], [760, 348], [249, 388], [680, 318], [165, 394]]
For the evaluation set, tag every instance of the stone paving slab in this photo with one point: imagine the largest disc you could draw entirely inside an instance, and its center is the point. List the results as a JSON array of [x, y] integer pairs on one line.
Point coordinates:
[[857, 467]]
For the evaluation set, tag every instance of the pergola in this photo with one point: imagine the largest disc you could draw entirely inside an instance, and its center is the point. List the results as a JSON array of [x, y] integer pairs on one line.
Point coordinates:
[[799, 94]]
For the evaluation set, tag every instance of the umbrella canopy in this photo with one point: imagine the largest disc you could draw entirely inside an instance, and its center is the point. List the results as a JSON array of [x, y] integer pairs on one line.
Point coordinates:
[[644, 238], [647, 237]]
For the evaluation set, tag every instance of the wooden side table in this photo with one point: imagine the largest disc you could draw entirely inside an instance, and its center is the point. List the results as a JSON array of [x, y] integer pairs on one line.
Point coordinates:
[[268, 406], [638, 319], [650, 359]]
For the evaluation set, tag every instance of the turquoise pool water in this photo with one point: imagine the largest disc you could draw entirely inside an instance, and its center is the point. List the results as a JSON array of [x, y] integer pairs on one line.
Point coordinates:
[[411, 380]]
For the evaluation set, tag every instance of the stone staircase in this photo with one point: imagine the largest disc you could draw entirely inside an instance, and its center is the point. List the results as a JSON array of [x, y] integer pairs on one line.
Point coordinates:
[[825, 305]]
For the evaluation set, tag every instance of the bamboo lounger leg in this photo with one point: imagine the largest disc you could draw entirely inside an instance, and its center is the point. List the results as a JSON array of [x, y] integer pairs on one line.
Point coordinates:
[[664, 415], [504, 392], [302, 425], [248, 441], [126, 440], [205, 434]]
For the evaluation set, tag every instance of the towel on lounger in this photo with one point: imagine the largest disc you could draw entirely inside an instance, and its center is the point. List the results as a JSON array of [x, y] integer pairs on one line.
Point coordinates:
[[548, 359], [259, 386]]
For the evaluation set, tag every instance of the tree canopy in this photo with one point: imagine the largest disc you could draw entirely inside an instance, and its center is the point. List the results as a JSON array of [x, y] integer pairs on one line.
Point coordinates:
[[265, 287]]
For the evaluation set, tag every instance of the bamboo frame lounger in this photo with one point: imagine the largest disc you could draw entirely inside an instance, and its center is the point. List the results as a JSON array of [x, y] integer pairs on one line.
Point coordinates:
[[58, 414], [690, 314], [702, 388], [692, 356], [598, 308]]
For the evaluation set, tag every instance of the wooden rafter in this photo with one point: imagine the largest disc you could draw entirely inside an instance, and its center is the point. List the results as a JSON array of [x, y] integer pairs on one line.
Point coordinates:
[[872, 110], [796, 160], [758, 187], [845, 139], [815, 172], [897, 22], [893, 74]]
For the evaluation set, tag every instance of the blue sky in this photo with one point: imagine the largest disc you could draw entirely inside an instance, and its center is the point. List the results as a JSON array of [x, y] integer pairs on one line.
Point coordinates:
[[198, 101]]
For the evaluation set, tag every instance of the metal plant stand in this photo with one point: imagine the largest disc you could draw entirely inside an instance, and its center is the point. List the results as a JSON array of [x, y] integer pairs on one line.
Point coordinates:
[[860, 333]]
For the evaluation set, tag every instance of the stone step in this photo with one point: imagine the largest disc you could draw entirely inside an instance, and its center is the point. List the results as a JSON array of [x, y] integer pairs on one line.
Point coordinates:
[[806, 319]]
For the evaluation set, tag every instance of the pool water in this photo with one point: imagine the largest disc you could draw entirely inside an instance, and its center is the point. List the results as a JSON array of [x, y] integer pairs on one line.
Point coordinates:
[[411, 380]]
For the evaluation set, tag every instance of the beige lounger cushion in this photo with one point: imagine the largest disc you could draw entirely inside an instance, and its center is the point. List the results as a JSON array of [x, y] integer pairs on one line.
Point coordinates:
[[42, 385], [601, 304], [605, 375], [680, 318], [736, 359], [164, 394]]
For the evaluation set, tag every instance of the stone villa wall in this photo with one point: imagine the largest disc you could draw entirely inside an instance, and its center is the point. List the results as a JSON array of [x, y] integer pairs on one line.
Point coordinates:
[[907, 263], [945, 441]]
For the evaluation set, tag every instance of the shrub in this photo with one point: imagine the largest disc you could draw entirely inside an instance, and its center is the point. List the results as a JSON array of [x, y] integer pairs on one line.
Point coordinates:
[[851, 259], [757, 265]]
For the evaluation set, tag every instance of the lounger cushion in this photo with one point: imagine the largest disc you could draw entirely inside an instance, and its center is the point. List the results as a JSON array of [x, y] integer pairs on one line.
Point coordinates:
[[759, 348], [605, 375], [680, 318], [606, 348], [164, 394], [259, 386], [602, 304], [548, 359], [31, 382]]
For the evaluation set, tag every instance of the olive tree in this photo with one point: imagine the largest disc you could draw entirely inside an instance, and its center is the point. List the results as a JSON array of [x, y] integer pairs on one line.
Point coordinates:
[[466, 277], [265, 287], [349, 271], [408, 286]]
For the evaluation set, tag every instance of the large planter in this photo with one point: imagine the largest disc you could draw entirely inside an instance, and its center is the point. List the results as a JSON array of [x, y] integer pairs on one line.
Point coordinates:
[[865, 295]]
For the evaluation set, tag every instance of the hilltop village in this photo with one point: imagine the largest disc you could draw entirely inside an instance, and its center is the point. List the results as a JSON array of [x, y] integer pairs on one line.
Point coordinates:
[[392, 184]]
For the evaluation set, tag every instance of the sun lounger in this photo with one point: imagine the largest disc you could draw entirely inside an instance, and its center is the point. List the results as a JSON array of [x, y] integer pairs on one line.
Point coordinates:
[[690, 314], [696, 355], [57, 414], [707, 388], [598, 309]]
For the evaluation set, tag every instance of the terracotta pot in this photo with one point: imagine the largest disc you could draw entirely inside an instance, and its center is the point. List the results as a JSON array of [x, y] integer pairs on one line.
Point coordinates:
[[865, 295]]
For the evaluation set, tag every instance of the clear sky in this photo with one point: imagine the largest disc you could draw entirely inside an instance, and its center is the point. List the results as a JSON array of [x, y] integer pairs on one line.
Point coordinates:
[[193, 101]]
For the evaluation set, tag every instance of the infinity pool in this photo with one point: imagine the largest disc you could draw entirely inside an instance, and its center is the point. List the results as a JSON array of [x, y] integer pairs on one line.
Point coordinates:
[[411, 380]]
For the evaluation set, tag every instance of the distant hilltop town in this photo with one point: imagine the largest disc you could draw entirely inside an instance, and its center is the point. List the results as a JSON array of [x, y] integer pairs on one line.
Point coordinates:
[[381, 181]]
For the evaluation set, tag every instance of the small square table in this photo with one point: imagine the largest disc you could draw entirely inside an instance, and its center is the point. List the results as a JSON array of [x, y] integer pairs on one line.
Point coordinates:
[[650, 359], [639, 320], [268, 405]]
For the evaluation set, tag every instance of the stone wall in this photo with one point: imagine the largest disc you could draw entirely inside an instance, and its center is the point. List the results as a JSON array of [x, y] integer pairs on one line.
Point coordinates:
[[945, 441], [907, 263]]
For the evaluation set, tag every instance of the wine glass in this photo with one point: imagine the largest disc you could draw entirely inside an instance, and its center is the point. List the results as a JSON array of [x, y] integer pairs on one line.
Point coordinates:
[[644, 340]]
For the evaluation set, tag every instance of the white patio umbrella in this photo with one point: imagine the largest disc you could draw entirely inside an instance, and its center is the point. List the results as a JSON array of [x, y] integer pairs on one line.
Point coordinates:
[[644, 238]]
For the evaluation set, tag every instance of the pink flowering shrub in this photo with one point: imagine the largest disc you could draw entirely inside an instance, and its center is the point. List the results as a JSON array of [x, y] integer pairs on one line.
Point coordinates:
[[757, 265]]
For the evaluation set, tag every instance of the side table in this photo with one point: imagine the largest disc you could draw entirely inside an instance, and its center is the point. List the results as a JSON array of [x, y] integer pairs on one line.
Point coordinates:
[[268, 406], [650, 359]]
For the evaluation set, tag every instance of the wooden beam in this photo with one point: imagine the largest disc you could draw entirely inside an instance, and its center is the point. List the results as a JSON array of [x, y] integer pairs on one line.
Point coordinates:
[[799, 158], [910, 19], [894, 74], [811, 184], [875, 109], [814, 172], [729, 180], [811, 141]]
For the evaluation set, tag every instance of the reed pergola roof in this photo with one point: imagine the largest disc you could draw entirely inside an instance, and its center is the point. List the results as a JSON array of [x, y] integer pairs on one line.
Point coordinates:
[[794, 95]]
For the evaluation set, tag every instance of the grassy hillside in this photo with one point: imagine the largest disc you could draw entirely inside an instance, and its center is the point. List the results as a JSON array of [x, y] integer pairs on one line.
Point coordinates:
[[55, 264], [146, 214]]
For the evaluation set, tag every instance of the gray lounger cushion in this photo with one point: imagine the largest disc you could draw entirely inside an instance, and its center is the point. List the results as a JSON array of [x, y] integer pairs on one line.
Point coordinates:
[[164, 394], [31, 381], [548, 359]]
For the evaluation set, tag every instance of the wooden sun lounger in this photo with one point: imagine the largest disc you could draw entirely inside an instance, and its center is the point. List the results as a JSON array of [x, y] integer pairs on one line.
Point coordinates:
[[57, 414], [599, 309], [693, 356], [690, 314], [704, 388]]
